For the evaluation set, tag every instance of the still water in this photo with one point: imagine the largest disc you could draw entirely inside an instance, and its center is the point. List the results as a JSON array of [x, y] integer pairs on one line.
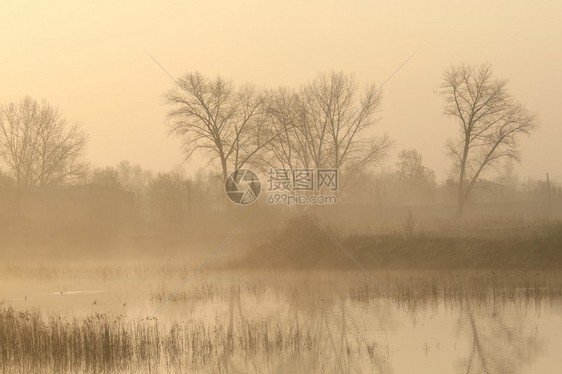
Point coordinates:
[[405, 328]]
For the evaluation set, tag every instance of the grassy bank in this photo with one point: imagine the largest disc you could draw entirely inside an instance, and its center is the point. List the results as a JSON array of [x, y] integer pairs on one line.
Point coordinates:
[[304, 244]]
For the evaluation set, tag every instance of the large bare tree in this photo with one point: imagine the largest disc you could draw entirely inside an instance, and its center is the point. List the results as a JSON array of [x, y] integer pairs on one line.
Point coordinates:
[[327, 124], [489, 121], [214, 115], [37, 144], [290, 148], [338, 117]]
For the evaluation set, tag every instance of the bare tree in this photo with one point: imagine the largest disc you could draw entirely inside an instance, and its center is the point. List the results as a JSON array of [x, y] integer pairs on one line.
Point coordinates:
[[290, 148], [37, 144], [489, 120], [326, 125], [107, 176], [215, 116], [412, 181], [133, 177], [168, 197], [507, 174]]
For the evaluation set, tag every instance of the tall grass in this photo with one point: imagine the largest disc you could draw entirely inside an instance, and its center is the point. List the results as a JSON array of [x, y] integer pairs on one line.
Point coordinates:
[[105, 343]]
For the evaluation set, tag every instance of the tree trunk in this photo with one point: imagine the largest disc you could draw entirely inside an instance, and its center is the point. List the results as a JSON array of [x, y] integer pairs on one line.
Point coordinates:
[[224, 169], [460, 207], [462, 195]]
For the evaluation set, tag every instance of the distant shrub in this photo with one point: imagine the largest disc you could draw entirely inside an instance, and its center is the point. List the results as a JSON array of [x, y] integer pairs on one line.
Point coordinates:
[[300, 243], [303, 232]]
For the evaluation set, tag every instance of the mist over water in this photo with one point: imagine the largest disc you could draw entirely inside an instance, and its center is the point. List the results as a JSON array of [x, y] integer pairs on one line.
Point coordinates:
[[280, 188], [289, 320]]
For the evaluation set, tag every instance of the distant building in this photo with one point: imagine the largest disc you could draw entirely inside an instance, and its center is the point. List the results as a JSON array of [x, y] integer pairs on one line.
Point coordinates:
[[485, 191]]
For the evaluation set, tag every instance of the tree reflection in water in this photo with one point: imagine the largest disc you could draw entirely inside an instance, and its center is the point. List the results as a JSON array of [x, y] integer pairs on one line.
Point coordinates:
[[503, 341]]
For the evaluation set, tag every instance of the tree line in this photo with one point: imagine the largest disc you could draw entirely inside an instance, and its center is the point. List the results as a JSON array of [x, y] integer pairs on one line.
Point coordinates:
[[328, 122]]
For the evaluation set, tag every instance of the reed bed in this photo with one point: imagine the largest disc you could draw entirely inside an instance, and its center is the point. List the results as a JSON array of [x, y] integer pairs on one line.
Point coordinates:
[[106, 343]]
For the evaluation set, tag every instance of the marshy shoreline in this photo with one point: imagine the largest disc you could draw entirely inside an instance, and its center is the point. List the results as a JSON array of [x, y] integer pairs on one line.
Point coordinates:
[[307, 245]]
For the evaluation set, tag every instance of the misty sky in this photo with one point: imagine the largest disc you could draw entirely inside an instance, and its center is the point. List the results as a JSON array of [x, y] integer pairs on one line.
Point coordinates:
[[89, 59]]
